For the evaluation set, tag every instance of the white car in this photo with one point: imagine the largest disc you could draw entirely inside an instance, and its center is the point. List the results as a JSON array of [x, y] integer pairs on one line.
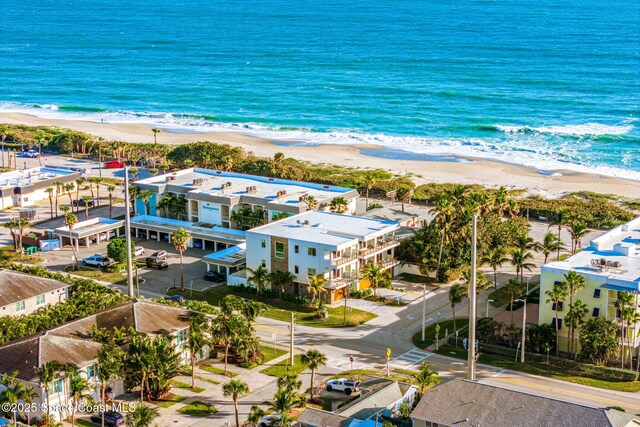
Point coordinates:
[[343, 384], [32, 153], [138, 250], [97, 260], [267, 420]]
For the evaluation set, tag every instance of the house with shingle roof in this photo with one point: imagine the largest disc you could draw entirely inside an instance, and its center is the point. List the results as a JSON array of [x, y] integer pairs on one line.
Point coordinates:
[[463, 403], [71, 343], [22, 293]]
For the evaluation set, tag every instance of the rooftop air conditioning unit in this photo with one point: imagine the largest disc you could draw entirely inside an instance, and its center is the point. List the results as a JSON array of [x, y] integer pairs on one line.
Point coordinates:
[[281, 193], [251, 189], [306, 222], [171, 178], [198, 182]]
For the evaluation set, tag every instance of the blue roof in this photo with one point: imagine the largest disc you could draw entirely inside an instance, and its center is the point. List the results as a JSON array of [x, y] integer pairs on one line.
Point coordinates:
[[621, 289]]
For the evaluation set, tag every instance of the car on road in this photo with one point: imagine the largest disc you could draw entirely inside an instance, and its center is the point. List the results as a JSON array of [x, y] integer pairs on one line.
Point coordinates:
[[214, 276], [158, 263], [111, 418], [97, 260], [343, 384], [159, 254], [82, 203], [114, 164], [175, 298], [266, 421], [32, 154], [138, 250]]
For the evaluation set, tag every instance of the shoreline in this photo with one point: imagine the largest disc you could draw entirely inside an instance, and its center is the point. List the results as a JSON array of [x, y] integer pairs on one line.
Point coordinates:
[[424, 168]]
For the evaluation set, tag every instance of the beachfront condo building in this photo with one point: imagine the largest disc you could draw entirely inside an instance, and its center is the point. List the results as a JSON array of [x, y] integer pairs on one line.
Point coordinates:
[[321, 243], [610, 265]]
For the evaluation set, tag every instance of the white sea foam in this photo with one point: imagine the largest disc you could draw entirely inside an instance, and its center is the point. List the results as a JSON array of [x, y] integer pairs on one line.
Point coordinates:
[[535, 151]]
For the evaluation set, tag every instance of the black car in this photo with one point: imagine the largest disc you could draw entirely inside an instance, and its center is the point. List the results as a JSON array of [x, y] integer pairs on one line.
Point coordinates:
[[111, 418], [82, 203], [214, 276], [156, 263]]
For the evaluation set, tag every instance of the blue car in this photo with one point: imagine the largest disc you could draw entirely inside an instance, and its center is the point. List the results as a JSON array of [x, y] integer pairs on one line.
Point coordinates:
[[175, 298]]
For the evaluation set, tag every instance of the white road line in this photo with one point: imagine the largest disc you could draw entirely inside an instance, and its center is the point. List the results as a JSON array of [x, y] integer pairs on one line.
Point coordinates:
[[500, 372]]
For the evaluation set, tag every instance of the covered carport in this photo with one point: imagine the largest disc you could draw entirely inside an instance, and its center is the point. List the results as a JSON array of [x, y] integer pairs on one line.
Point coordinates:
[[227, 261], [94, 230]]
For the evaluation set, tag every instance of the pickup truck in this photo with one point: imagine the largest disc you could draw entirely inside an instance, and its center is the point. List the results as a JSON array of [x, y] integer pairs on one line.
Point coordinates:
[[97, 260], [114, 164], [32, 154], [343, 384]]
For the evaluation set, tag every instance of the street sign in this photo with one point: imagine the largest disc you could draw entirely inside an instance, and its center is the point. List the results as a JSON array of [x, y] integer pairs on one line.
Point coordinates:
[[437, 328], [388, 354], [351, 359]]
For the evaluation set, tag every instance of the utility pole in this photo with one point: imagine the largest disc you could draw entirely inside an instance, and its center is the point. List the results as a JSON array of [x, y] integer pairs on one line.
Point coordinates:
[[291, 361], [471, 358], [524, 329], [424, 310], [127, 233]]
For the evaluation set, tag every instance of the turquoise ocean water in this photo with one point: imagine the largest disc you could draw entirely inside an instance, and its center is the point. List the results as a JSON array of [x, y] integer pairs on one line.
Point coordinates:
[[547, 84]]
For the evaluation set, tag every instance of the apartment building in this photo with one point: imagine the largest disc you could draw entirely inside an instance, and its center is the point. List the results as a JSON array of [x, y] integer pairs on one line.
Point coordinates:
[[610, 264], [22, 294], [23, 188], [322, 243]]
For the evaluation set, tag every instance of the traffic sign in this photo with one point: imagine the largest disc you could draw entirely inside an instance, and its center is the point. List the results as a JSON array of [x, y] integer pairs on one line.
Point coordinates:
[[388, 354], [351, 359], [437, 328]]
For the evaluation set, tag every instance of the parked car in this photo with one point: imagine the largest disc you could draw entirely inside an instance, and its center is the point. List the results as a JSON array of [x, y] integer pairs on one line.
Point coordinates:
[[175, 298], [267, 420], [138, 250], [114, 164], [214, 276], [343, 384], [32, 154], [82, 203], [97, 260], [111, 418], [159, 254], [156, 263]]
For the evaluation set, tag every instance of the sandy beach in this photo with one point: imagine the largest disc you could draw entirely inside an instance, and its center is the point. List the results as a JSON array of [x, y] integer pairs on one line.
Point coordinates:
[[467, 171]]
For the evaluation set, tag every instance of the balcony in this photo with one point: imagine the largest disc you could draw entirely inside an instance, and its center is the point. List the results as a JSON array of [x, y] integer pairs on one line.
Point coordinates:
[[344, 259], [379, 246], [389, 263], [339, 282]]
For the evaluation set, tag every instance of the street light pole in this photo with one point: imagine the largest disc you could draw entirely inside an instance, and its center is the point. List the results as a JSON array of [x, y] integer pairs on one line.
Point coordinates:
[[488, 301], [127, 232], [424, 310], [471, 358], [524, 329]]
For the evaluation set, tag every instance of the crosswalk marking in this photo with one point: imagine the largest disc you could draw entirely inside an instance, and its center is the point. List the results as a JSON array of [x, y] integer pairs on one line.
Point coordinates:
[[410, 358], [344, 364]]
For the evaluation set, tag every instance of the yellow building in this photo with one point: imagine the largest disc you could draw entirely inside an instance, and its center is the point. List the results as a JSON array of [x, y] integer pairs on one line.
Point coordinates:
[[610, 264]]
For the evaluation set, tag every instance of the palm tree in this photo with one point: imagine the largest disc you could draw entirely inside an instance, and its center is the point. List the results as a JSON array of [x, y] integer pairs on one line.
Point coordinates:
[[316, 285], [46, 374], [456, 295], [519, 259], [368, 183], [561, 220], [403, 194], [259, 278], [495, 258], [235, 389], [550, 244], [425, 376], [444, 216], [110, 367], [97, 181], [376, 275], [22, 224], [513, 288], [13, 394], [225, 330], [255, 415], [577, 230], [155, 131], [575, 319], [339, 205], [141, 416], [68, 188], [70, 220], [3, 136], [574, 282], [180, 240], [622, 304], [557, 295], [86, 199], [145, 196], [79, 182], [80, 390], [312, 203], [197, 342], [314, 359], [111, 188], [59, 186], [281, 279], [49, 192]]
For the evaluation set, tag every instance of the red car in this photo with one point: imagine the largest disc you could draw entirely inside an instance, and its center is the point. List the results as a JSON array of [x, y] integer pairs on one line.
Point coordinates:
[[114, 164]]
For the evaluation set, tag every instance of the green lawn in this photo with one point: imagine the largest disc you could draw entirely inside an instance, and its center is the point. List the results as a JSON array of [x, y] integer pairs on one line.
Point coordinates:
[[93, 273], [210, 381], [270, 353], [198, 409], [430, 332], [168, 400], [7, 253], [85, 423], [219, 371], [542, 370], [500, 296], [283, 368], [281, 310], [186, 386]]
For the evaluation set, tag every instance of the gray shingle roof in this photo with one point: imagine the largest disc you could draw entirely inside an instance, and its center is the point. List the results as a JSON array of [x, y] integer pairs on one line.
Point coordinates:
[[319, 418], [16, 286], [466, 403]]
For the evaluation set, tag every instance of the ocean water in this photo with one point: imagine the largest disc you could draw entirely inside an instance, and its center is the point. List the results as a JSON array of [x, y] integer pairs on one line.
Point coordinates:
[[543, 83]]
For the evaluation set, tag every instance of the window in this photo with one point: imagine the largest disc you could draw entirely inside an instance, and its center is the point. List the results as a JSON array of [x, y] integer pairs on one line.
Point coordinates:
[[20, 306], [92, 371], [596, 293], [181, 336], [311, 251], [296, 249], [557, 283], [596, 312], [559, 306], [553, 323], [311, 272], [279, 250], [40, 299], [56, 387], [263, 243], [264, 263], [296, 269]]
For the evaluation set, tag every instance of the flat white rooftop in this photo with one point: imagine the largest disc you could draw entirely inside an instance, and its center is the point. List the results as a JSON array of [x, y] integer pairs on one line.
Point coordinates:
[[90, 227], [614, 256], [233, 256], [216, 183], [197, 230], [27, 177], [327, 228]]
